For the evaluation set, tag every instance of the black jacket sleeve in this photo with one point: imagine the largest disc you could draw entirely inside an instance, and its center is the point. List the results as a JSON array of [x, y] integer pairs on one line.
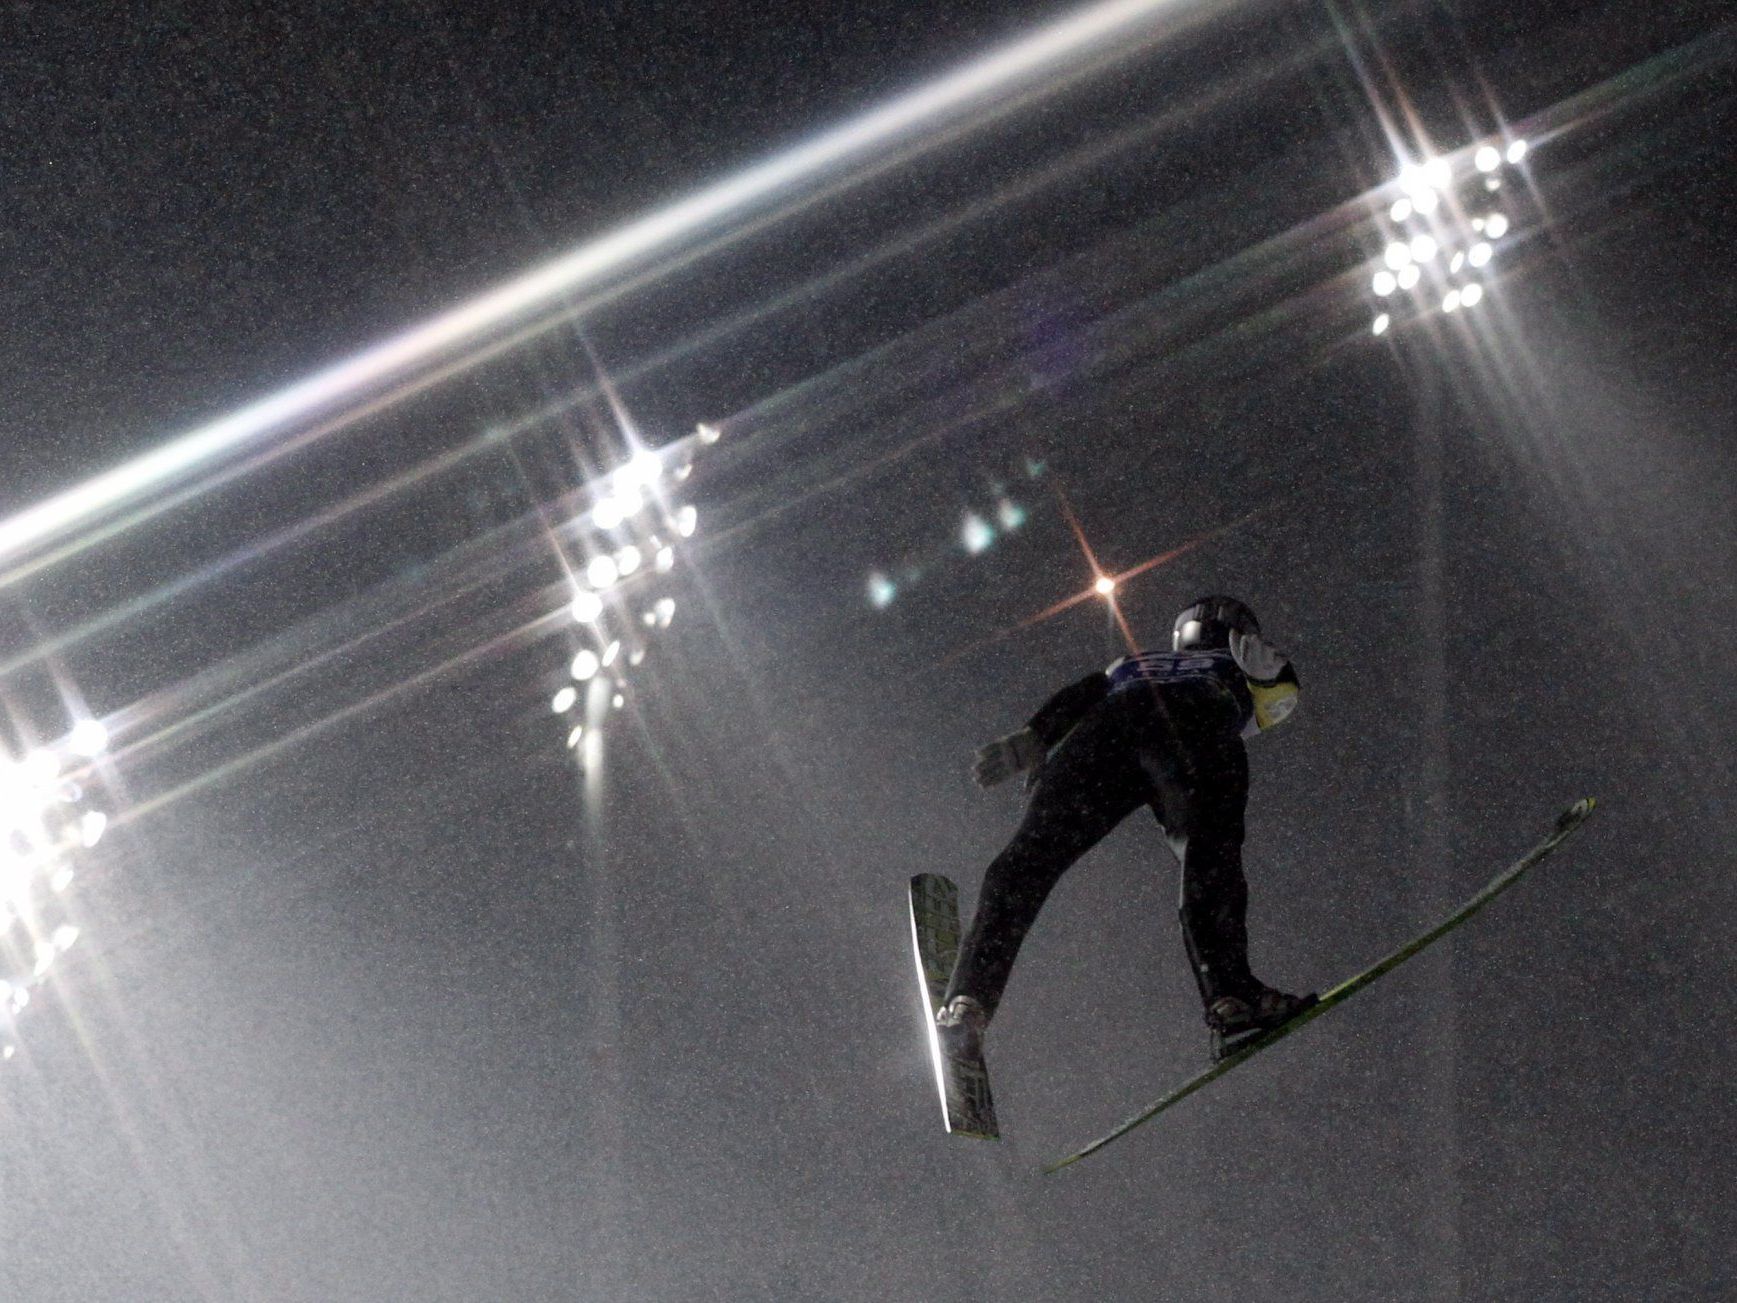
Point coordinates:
[[1062, 711]]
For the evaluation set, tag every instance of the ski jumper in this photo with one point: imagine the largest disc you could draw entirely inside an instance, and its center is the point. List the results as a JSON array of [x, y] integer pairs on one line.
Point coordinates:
[[1159, 729]]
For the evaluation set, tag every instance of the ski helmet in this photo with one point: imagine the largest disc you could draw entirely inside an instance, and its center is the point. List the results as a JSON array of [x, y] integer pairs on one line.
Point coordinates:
[[1209, 622]]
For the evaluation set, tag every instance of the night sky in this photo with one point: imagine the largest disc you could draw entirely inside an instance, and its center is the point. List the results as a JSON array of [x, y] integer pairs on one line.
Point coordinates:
[[380, 991]]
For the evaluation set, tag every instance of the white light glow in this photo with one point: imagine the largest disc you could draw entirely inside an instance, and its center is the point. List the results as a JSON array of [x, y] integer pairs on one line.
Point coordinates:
[[602, 571], [1408, 277], [1458, 261], [976, 533], [587, 607], [41, 767], [618, 701], [575, 736], [1401, 209], [881, 590], [1381, 324], [931, 113], [1439, 173], [606, 514], [665, 559], [585, 665], [687, 521], [88, 738], [1427, 200], [1451, 301], [90, 827], [627, 559], [1492, 183], [1423, 247], [61, 879], [1384, 283], [664, 610], [1495, 226], [1479, 254], [565, 700], [642, 471], [1517, 151], [611, 652], [708, 433], [1397, 255], [65, 937], [1010, 514], [1104, 586], [1471, 294], [1487, 159], [636, 656]]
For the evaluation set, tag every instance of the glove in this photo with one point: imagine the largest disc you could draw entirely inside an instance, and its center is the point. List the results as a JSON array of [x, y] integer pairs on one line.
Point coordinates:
[[1256, 658], [1007, 756]]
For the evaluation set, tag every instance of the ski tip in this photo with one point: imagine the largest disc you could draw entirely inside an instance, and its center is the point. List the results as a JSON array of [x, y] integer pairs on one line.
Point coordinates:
[[1576, 812]]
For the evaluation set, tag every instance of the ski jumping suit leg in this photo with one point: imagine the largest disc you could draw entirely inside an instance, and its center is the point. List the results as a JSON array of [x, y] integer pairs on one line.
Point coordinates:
[[1132, 749]]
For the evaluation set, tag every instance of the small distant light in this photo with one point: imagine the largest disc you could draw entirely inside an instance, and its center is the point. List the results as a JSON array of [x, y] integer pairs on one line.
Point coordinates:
[[1517, 151], [1496, 226], [611, 652], [1439, 173], [1401, 209], [606, 514], [649, 619], [1104, 586], [1397, 255], [627, 560], [565, 700], [881, 590], [575, 736], [1471, 294], [587, 607], [1408, 276], [1010, 514], [8, 1052], [618, 701], [1426, 200], [88, 738], [91, 826], [708, 433], [665, 559], [1381, 324], [585, 665], [65, 936], [681, 473], [1384, 283], [1451, 301], [1492, 183], [602, 572], [687, 521], [1477, 224], [1487, 159], [664, 610], [1423, 247], [976, 533], [1479, 254], [1458, 261], [61, 879], [636, 656]]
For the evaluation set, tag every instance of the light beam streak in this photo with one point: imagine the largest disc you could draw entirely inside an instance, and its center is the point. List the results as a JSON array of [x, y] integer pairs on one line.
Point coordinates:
[[1034, 65]]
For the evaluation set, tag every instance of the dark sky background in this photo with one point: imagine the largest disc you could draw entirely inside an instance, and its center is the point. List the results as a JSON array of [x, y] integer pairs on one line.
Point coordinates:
[[376, 998]]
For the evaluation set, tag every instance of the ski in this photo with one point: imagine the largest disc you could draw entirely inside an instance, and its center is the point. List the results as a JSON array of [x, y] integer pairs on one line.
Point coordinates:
[[1566, 823], [967, 1108]]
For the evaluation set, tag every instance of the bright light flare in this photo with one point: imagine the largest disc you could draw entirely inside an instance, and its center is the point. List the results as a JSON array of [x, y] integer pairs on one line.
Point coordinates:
[[687, 521], [89, 738], [1487, 159], [1423, 247], [628, 559], [587, 607], [1384, 283], [1409, 276], [1471, 295], [1496, 226], [565, 700], [602, 572], [1397, 255], [976, 533], [1517, 151], [881, 590], [1381, 324], [1479, 254], [1105, 586], [585, 665]]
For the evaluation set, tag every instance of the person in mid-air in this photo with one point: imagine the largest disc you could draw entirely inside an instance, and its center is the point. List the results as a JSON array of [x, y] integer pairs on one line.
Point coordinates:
[[1162, 729]]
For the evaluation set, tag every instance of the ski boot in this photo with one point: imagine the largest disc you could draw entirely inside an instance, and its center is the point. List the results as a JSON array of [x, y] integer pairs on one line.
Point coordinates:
[[960, 1025], [1237, 1020]]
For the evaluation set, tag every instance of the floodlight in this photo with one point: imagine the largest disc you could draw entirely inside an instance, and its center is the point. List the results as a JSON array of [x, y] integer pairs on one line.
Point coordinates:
[[587, 606], [1451, 301], [41, 767], [1423, 247], [627, 560], [1516, 151], [1408, 276], [1479, 254], [88, 738], [1426, 200], [1487, 159], [602, 571], [665, 560], [664, 610], [565, 700], [687, 521], [1496, 226], [641, 471], [976, 533], [1384, 283], [1471, 294], [585, 665], [1401, 210], [1397, 255], [881, 590], [1438, 173], [708, 433], [618, 701], [611, 652], [90, 827], [1381, 324], [1105, 586], [607, 514]]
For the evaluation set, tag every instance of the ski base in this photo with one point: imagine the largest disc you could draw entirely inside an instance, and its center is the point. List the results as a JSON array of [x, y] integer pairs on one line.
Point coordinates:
[[967, 1107]]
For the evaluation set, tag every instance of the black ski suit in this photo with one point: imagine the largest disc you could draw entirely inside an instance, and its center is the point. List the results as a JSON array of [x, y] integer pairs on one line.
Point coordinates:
[[1160, 729]]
